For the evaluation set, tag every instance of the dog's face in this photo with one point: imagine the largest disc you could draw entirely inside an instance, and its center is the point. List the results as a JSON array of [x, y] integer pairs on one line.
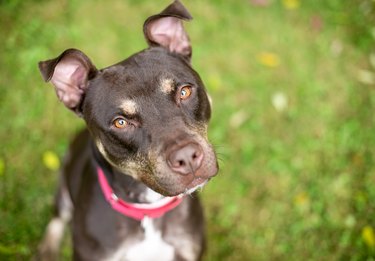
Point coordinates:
[[148, 114], [153, 121]]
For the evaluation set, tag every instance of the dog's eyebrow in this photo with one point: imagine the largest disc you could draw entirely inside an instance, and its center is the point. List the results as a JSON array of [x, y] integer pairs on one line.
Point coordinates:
[[129, 107], [166, 85]]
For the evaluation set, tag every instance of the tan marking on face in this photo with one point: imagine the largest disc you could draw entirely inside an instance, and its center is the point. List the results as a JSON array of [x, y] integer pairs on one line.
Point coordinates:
[[166, 85], [128, 168], [210, 100], [129, 107], [101, 149]]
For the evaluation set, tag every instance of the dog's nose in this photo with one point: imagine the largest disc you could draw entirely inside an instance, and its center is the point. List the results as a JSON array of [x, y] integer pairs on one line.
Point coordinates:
[[187, 159]]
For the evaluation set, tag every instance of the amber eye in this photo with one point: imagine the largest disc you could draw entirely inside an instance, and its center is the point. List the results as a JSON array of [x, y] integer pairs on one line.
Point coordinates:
[[185, 92], [120, 123]]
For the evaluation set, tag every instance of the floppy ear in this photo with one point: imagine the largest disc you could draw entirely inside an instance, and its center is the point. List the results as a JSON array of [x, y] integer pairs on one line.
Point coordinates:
[[69, 73], [166, 29]]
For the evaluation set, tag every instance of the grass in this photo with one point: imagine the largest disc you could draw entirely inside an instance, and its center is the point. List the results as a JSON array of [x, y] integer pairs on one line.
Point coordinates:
[[293, 91]]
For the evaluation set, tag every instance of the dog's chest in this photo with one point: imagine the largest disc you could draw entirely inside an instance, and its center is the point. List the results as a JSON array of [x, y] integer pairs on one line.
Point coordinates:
[[152, 246]]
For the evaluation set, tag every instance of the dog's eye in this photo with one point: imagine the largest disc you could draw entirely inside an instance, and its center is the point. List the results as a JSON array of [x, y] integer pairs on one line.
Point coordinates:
[[185, 92], [120, 123]]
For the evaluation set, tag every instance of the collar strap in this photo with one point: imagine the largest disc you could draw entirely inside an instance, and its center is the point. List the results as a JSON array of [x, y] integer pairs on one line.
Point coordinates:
[[137, 211]]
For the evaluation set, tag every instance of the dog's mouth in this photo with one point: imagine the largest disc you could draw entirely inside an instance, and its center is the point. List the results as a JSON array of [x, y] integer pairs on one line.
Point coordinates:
[[196, 184]]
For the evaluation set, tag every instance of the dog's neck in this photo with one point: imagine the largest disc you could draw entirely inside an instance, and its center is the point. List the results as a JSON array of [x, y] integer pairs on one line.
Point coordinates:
[[124, 186]]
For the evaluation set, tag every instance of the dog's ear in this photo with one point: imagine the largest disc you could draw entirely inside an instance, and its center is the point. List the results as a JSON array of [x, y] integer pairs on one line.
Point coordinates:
[[166, 29], [69, 73]]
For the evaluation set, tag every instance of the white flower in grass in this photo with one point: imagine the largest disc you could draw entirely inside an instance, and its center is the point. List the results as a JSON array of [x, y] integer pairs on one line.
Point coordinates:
[[337, 47], [238, 119], [366, 77]]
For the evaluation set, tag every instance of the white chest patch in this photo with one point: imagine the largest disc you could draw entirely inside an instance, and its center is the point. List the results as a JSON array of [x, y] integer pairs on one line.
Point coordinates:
[[152, 196], [150, 248]]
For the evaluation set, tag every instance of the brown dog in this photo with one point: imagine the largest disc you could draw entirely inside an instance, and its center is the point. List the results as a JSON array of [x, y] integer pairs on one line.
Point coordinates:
[[125, 178]]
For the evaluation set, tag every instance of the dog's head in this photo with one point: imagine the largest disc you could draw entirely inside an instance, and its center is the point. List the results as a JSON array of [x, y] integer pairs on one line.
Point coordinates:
[[147, 114]]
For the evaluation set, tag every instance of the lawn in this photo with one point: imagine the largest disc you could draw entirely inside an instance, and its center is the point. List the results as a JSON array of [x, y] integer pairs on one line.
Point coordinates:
[[293, 88]]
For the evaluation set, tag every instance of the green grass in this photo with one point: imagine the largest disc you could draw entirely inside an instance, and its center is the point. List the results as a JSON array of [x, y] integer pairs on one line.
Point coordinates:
[[295, 183]]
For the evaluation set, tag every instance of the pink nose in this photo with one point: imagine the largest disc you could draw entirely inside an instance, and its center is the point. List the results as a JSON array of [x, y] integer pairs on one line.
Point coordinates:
[[187, 159]]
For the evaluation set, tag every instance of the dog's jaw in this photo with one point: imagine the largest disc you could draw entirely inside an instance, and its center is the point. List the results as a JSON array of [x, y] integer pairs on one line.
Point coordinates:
[[201, 184], [197, 185]]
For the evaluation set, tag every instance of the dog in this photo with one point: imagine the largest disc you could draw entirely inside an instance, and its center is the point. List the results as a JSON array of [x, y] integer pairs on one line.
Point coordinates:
[[129, 179]]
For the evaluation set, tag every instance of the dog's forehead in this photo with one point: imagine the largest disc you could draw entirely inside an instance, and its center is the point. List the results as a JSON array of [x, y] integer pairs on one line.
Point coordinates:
[[151, 66], [126, 86], [140, 83], [148, 73], [136, 101]]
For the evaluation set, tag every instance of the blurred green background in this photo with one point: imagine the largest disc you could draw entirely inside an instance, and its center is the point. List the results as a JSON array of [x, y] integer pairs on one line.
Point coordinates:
[[293, 119]]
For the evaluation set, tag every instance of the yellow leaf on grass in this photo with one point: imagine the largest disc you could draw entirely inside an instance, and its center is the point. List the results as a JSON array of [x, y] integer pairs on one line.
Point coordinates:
[[368, 236], [2, 167], [268, 59], [301, 199], [51, 160], [291, 4]]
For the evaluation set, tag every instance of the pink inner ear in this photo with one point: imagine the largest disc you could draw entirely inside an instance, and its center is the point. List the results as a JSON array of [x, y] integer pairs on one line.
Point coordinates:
[[69, 79], [169, 32]]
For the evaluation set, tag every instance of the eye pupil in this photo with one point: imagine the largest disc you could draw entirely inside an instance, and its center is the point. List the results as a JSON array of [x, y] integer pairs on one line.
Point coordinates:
[[185, 92], [120, 123]]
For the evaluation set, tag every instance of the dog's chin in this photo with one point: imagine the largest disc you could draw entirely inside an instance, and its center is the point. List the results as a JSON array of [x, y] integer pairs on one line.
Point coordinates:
[[196, 184]]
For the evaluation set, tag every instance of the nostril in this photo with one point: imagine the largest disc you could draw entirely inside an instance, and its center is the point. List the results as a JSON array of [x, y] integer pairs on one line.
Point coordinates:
[[181, 163], [186, 159], [196, 154]]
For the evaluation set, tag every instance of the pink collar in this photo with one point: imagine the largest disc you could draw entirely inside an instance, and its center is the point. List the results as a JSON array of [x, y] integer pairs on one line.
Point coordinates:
[[136, 211]]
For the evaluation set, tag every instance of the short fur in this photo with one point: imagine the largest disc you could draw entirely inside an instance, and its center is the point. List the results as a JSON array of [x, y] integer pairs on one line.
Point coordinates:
[[160, 150]]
